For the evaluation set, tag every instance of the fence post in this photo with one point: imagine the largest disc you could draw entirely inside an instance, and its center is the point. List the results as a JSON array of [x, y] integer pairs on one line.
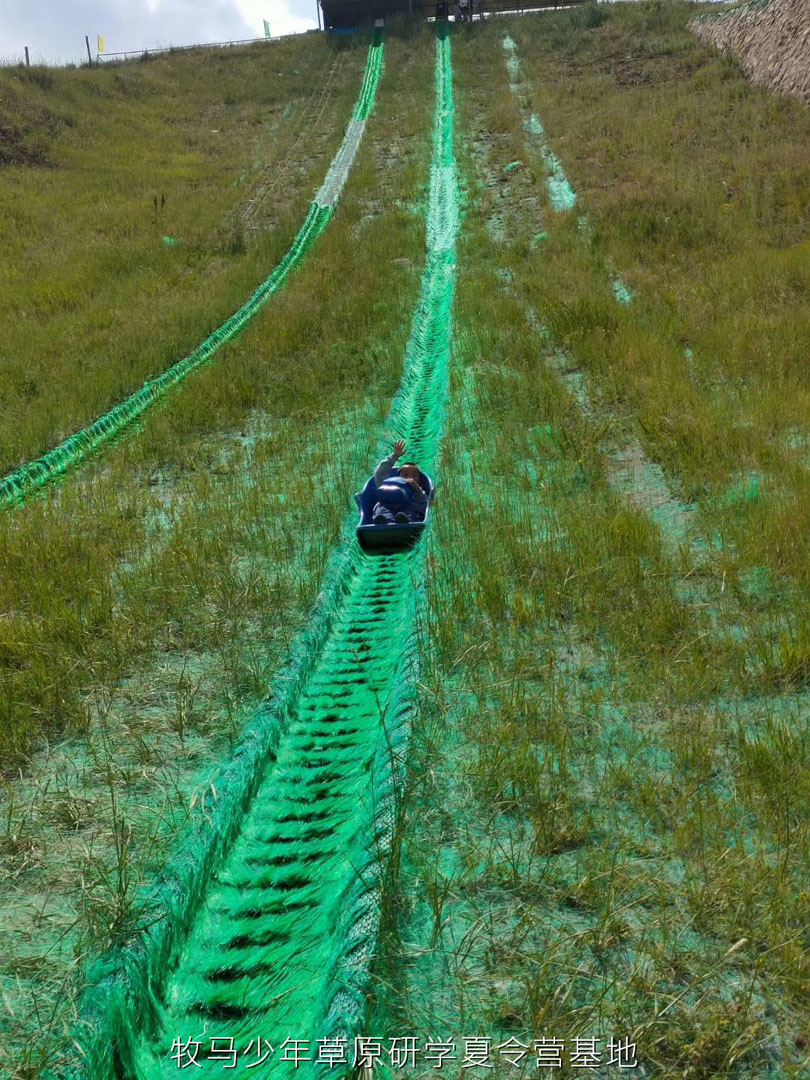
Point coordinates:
[[27, 60], [87, 43]]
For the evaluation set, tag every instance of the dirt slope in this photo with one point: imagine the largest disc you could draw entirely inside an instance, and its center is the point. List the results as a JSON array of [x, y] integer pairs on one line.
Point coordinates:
[[771, 40]]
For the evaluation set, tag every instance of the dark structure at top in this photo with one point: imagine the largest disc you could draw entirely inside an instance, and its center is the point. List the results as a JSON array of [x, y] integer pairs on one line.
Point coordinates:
[[345, 13]]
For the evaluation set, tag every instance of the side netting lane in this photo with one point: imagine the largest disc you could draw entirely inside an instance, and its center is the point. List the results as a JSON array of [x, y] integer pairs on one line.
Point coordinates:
[[560, 193], [261, 954], [18, 485]]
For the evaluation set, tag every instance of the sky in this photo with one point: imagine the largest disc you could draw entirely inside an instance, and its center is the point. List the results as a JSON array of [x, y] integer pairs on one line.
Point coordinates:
[[54, 30]]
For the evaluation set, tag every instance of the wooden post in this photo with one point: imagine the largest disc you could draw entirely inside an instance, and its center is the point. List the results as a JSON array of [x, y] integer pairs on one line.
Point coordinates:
[[27, 58], [87, 43]]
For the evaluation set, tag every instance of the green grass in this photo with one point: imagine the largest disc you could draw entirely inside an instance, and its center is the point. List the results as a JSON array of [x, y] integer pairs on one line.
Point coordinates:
[[705, 365], [93, 299], [149, 600], [605, 833]]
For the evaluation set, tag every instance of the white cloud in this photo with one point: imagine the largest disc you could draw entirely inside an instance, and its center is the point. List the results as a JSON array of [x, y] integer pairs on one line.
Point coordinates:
[[54, 30], [279, 15]]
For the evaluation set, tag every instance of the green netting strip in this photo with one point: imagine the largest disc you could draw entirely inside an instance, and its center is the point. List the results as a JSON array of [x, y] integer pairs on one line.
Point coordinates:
[[120, 1000], [267, 923], [730, 15], [371, 77], [18, 485], [417, 415]]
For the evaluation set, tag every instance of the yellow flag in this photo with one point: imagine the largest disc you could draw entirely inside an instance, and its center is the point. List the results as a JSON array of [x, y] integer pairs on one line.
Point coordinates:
[[100, 42]]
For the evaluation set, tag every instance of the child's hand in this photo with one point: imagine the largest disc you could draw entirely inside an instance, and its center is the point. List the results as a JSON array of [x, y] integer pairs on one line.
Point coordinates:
[[399, 449]]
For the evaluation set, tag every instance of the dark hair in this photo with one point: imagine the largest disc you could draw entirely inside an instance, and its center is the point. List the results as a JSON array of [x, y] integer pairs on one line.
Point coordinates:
[[410, 463]]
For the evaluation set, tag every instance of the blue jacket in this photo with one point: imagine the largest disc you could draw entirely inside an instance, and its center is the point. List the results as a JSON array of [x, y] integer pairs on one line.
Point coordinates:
[[400, 493]]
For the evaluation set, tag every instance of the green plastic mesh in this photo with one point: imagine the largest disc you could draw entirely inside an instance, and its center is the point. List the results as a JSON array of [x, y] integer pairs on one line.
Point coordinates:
[[18, 485], [740, 12], [266, 925]]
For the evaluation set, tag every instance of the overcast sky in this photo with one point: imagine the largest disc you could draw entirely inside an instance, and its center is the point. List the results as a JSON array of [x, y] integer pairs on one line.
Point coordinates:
[[54, 30]]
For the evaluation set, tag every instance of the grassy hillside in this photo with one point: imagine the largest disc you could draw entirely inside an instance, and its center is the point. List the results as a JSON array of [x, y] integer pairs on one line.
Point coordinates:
[[148, 601], [101, 166], [605, 830]]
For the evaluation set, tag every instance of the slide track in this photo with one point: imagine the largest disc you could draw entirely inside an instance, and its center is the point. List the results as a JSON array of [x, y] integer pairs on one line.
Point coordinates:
[[275, 942]]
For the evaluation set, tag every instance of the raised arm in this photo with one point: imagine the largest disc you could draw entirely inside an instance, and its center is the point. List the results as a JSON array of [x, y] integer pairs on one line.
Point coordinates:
[[383, 470]]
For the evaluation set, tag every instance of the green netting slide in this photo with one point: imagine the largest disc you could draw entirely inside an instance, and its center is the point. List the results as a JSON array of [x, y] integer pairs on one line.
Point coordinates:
[[257, 945]]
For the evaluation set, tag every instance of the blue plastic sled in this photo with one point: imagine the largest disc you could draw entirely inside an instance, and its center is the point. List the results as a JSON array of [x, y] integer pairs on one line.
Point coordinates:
[[373, 537]]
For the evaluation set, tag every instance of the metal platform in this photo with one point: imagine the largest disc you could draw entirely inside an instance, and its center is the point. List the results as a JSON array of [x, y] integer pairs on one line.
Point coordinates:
[[339, 14]]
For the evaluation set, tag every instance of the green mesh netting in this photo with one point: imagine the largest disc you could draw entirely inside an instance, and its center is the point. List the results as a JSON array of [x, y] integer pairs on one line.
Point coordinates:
[[266, 925], [740, 12], [28, 478]]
